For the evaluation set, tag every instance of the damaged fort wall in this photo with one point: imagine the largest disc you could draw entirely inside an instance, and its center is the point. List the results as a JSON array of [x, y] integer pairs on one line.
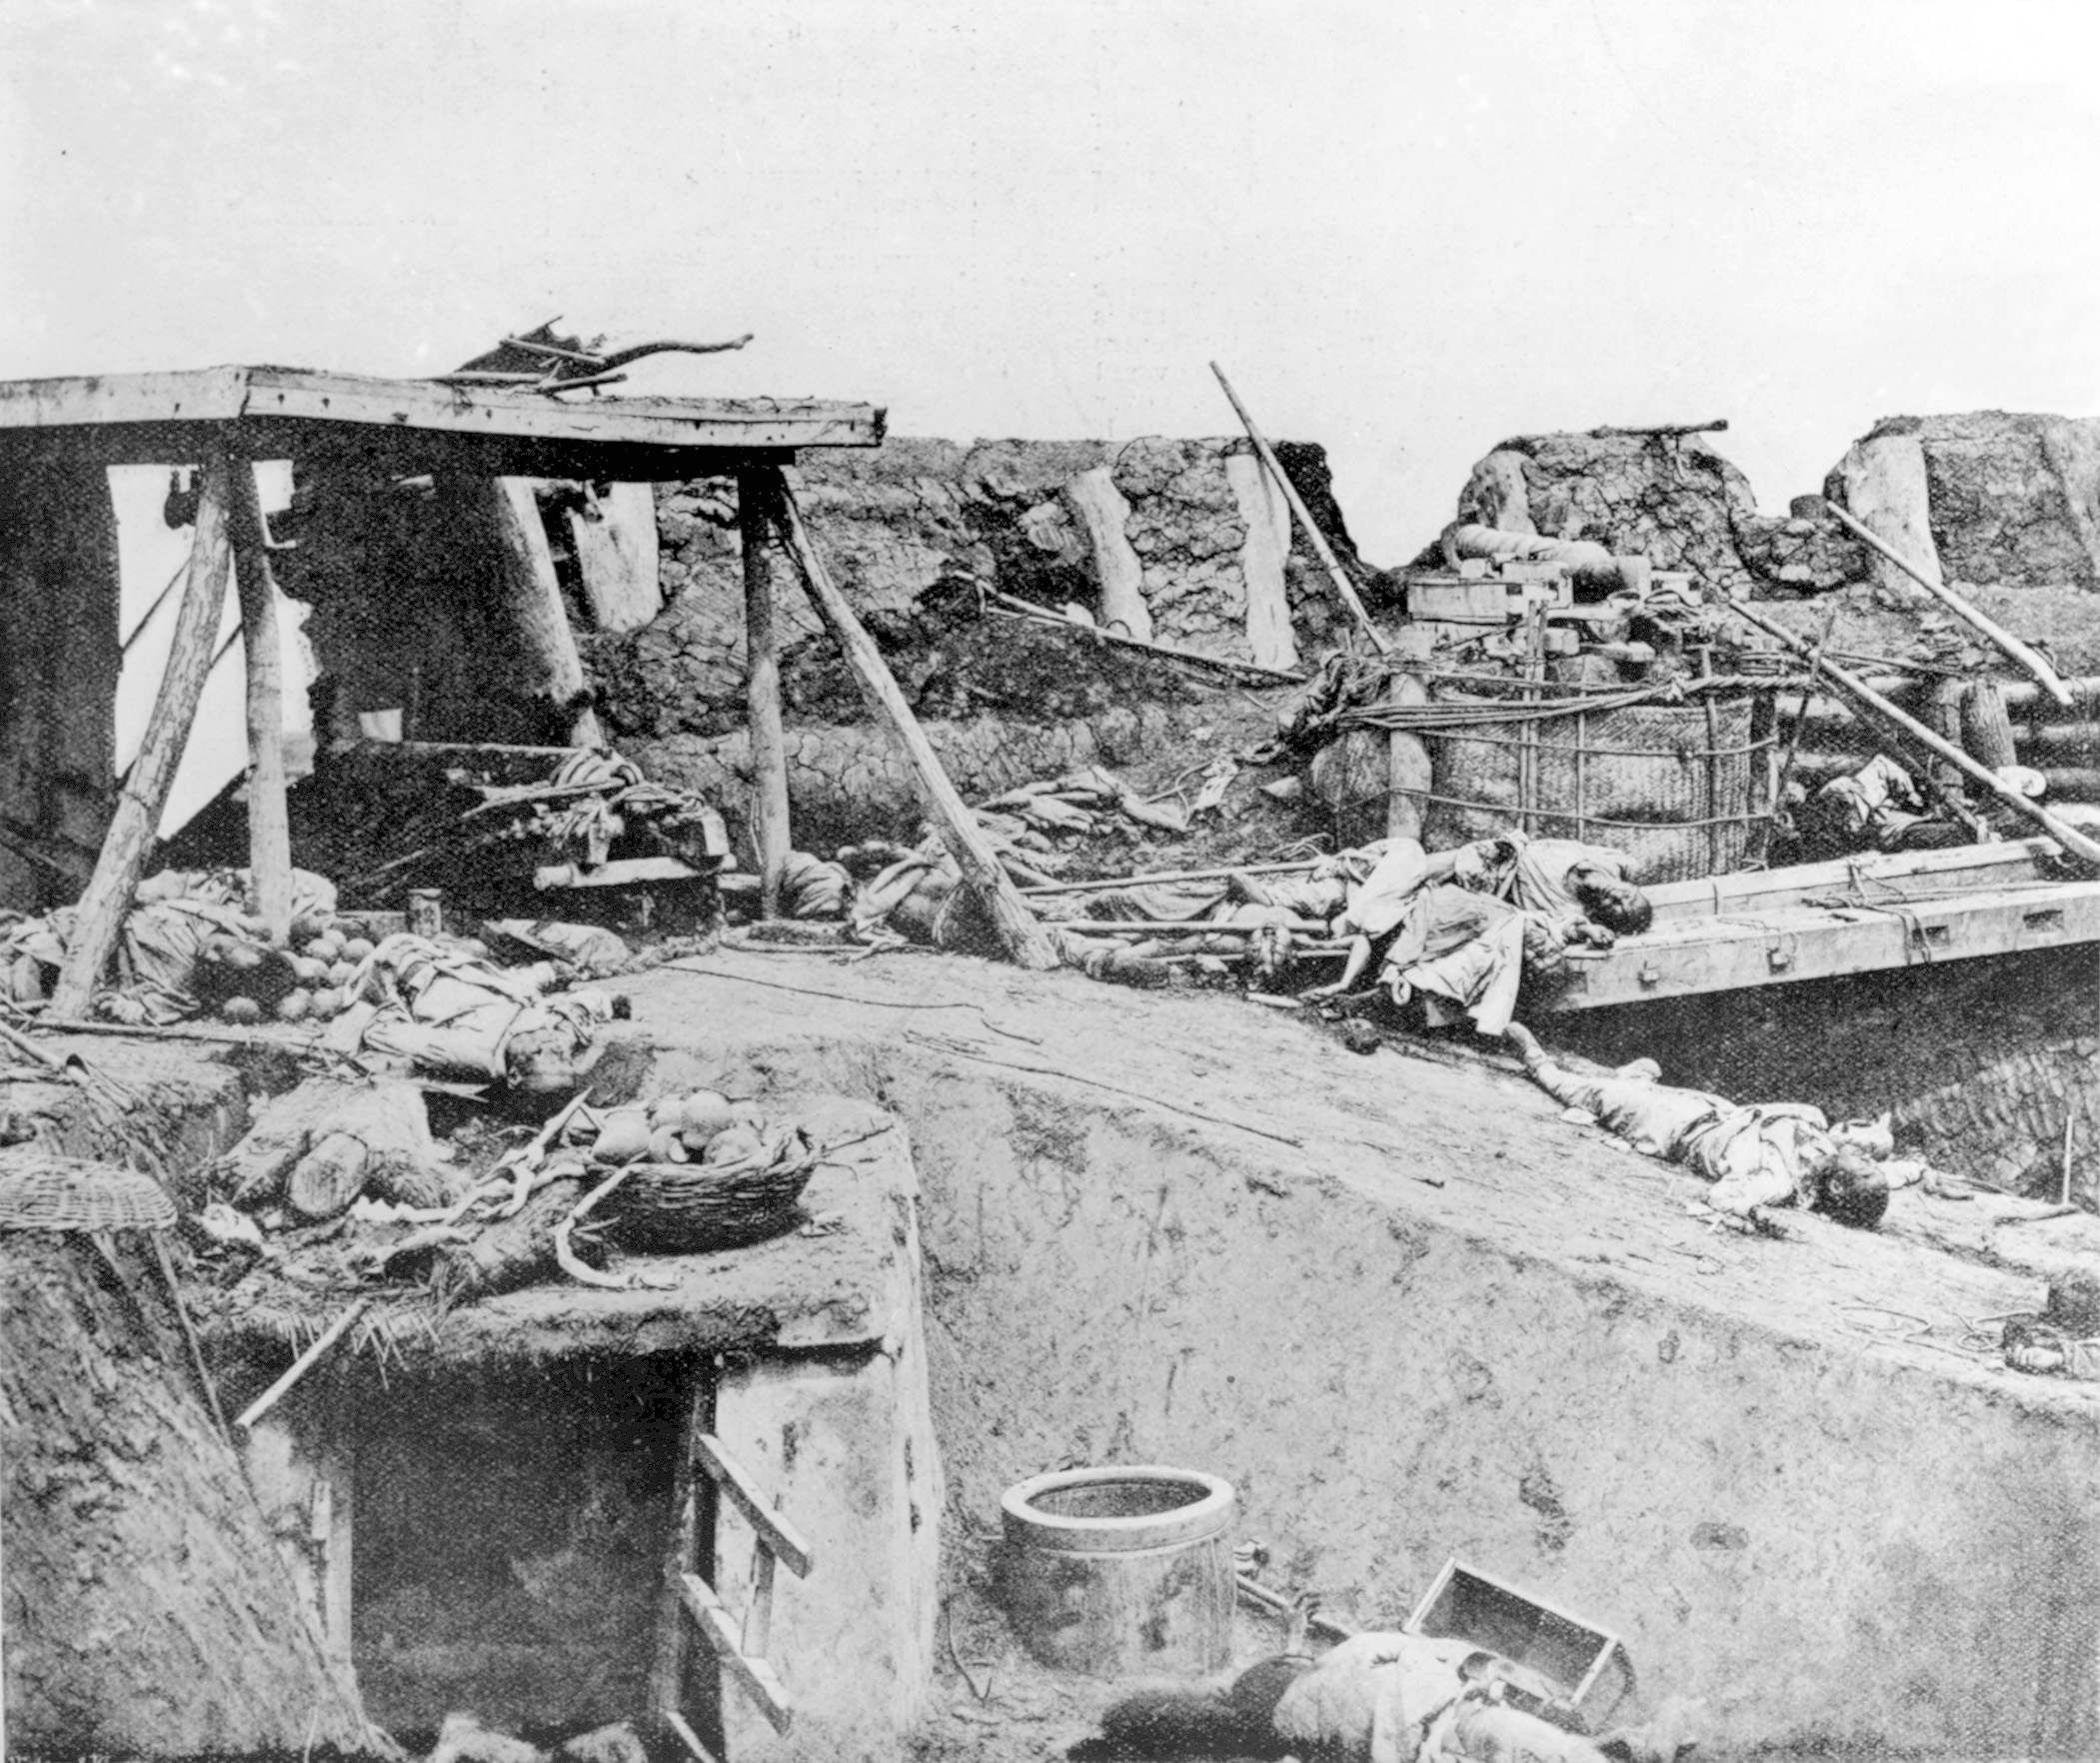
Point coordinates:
[[148, 1608], [1674, 499], [912, 532], [2015, 498]]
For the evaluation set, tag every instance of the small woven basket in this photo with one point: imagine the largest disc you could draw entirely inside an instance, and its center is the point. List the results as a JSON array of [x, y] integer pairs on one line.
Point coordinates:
[[40, 1190], [687, 1209]]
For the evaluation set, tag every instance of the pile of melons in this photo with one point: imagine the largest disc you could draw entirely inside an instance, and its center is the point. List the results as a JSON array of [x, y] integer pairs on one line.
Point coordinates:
[[701, 1127], [310, 980]]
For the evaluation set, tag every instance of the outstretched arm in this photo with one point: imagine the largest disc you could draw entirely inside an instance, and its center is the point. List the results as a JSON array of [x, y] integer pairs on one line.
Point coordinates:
[[1351, 971]]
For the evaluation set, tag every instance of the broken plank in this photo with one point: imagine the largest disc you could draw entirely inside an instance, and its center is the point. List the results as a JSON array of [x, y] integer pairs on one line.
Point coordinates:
[[745, 1494], [759, 1679]]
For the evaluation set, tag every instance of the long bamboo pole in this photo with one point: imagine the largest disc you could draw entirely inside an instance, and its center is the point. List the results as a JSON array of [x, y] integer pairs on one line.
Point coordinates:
[[1019, 931], [1318, 541], [269, 821], [1101, 883], [2075, 844], [2034, 662], [770, 835], [135, 825]]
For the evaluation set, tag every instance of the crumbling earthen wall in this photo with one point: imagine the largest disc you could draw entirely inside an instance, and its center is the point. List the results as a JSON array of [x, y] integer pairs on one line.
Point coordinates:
[[1674, 499], [912, 530], [2015, 498], [148, 1610]]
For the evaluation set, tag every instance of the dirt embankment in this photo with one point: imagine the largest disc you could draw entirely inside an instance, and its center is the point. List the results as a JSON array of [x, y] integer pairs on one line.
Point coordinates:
[[1410, 1313]]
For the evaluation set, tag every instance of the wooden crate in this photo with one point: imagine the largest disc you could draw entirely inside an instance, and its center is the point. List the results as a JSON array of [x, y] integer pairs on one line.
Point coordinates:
[[1587, 1665]]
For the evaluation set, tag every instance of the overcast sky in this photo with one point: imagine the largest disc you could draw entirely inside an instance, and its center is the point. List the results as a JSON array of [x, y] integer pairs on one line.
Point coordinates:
[[1407, 230]]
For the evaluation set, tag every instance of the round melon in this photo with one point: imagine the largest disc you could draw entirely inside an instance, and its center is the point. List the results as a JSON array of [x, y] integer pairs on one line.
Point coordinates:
[[737, 1144], [704, 1113], [357, 948], [623, 1138], [241, 1010], [325, 1001], [295, 1007]]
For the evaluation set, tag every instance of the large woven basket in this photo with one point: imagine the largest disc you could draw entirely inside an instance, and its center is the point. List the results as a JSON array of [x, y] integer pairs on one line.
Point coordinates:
[[689, 1209], [1674, 787], [40, 1190]]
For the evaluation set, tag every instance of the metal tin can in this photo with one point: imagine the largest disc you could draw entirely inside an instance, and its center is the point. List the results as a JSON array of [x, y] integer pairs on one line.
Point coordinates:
[[426, 912]]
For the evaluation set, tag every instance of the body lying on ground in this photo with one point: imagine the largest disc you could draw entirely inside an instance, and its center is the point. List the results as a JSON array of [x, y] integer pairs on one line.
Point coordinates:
[[1376, 1698], [1879, 806], [1757, 1155]]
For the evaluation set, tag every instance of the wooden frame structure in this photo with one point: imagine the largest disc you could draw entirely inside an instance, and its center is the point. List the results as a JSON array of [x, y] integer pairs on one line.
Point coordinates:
[[1824, 920], [226, 418]]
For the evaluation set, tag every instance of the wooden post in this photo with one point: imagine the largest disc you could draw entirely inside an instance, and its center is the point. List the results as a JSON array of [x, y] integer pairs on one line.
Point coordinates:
[[135, 825], [1018, 929], [269, 825], [2034, 663], [2074, 843], [1407, 802], [1313, 536], [771, 835]]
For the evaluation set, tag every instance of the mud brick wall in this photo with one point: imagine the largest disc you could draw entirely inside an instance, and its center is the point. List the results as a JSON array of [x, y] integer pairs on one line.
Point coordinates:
[[911, 532], [1673, 499]]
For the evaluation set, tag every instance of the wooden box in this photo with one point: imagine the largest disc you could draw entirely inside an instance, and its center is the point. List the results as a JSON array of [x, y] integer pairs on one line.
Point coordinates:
[[1587, 1664]]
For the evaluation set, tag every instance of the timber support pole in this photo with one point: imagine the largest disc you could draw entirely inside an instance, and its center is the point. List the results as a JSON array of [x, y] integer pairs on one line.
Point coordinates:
[[2035, 664], [1019, 931], [2074, 844], [269, 822], [771, 833], [1313, 536], [135, 825]]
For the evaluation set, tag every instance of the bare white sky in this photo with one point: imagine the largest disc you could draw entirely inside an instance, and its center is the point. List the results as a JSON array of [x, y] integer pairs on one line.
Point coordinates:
[[1407, 230]]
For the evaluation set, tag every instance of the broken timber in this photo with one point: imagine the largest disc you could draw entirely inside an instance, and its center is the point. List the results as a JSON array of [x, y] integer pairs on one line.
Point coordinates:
[[1020, 932], [1993, 633], [135, 825], [1313, 536], [2074, 844]]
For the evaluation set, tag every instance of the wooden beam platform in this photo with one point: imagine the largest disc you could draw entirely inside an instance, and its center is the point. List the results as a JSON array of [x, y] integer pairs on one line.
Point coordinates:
[[1825, 921], [161, 417]]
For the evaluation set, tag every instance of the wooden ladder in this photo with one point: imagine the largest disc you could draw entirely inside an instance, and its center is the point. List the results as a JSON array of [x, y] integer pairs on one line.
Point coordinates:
[[690, 1602]]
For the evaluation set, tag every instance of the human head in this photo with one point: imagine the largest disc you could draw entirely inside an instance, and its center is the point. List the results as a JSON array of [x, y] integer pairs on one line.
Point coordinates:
[[1271, 945], [1617, 904], [1855, 1191]]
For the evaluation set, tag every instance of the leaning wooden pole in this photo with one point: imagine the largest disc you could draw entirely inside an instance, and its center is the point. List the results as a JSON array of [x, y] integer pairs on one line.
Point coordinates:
[[1314, 536], [269, 822], [2031, 660], [769, 830], [2075, 844], [1019, 931], [135, 825]]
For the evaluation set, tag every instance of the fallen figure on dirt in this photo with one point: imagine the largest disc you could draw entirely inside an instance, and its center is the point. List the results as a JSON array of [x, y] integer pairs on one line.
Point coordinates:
[[1757, 1155], [1376, 1698]]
